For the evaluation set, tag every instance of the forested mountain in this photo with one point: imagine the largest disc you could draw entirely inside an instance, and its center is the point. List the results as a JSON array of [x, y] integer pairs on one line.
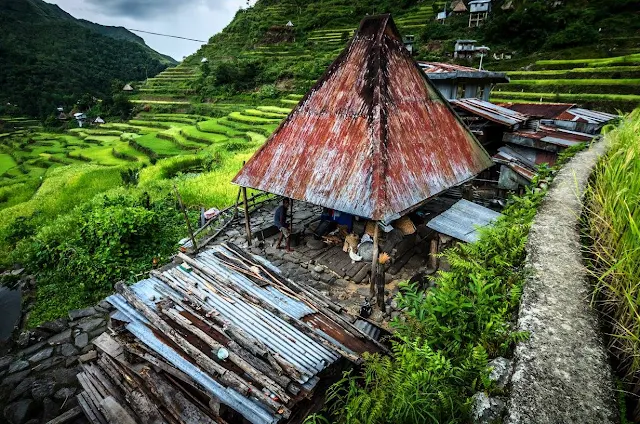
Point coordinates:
[[49, 58]]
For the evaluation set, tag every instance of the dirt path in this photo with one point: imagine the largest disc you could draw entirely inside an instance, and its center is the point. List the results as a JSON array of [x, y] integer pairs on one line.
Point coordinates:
[[562, 372]]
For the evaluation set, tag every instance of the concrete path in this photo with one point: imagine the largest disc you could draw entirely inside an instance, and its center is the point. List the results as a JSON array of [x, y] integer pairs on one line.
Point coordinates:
[[562, 373]]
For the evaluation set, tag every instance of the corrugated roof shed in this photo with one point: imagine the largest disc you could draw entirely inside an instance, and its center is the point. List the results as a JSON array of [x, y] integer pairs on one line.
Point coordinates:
[[463, 221], [372, 138], [540, 110], [586, 115], [228, 324]]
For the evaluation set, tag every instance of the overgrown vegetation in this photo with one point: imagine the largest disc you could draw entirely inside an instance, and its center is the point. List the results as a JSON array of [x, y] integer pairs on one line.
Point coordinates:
[[613, 229], [449, 333]]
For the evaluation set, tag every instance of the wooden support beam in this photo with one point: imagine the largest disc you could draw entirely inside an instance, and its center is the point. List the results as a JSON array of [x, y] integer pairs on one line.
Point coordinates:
[[374, 261], [247, 219], [186, 218]]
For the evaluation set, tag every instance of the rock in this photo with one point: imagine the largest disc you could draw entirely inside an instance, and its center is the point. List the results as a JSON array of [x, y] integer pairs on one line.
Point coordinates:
[[18, 365], [377, 316], [50, 410], [62, 337], [486, 410], [65, 376], [81, 313], [67, 350], [71, 360], [341, 283], [42, 389], [65, 393], [5, 361], [89, 324], [19, 412], [315, 244], [15, 378], [500, 372], [48, 363], [55, 326], [105, 305], [21, 388], [394, 304], [24, 339], [319, 269], [88, 357], [327, 278], [81, 340], [395, 314], [42, 355]]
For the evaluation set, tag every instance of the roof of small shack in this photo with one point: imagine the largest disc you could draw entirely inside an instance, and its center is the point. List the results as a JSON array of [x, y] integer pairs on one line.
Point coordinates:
[[372, 138]]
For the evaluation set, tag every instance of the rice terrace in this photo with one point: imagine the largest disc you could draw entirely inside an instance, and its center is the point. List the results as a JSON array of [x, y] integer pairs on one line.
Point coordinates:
[[330, 211]]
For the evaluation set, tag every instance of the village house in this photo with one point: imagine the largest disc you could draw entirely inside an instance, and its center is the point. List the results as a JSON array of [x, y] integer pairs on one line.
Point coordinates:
[[460, 82], [478, 12], [464, 49], [128, 88]]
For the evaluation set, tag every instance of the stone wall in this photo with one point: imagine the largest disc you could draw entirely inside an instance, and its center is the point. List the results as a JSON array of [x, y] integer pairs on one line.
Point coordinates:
[[38, 375]]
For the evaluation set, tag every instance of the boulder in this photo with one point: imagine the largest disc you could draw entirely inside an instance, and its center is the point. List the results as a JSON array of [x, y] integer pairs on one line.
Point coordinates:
[[50, 410], [55, 326], [501, 370], [15, 378], [19, 412], [5, 361], [81, 313], [62, 337], [41, 355], [18, 365], [90, 324], [43, 389], [67, 350], [21, 388], [81, 340], [486, 410]]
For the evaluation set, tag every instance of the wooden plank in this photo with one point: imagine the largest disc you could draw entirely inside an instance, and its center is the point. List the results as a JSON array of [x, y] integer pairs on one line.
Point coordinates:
[[90, 412], [115, 413], [108, 345], [355, 268], [70, 415]]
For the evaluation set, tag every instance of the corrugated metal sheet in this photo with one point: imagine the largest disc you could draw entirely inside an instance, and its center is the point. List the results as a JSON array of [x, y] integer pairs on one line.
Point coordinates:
[[372, 138], [439, 70], [226, 292], [492, 112], [540, 110], [516, 162], [463, 221], [586, 115]]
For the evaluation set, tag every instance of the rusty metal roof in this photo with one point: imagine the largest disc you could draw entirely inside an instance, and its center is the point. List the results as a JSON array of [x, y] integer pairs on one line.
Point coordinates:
[[278, 336], [586, 115], [492, 112], [518, 163], [439, 70], [540, 110], [372, 138]]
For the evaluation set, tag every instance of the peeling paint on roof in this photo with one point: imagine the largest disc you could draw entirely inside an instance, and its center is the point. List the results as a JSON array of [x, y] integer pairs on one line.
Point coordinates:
[[373, 138]]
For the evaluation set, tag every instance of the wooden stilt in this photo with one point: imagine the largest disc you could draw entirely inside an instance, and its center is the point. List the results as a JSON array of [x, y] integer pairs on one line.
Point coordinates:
[[290, 224], [374, 262], [186, 218], [247, 220], [433, 252]]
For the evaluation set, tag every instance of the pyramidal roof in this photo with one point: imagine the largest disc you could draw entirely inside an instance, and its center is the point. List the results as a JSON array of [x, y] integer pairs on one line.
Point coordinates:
[[373, 137]]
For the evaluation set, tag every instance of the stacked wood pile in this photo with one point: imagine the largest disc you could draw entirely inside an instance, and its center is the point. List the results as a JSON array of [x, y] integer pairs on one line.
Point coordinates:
[[222, 337]]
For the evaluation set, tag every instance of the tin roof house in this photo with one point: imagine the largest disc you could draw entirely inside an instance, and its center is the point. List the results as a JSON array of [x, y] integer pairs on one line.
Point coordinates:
[[462, 82], [373, 139]]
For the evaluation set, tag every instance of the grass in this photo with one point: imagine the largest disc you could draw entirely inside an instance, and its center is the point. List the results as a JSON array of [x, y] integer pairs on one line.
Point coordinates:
[[561, 97], [613, 228], [250, 119], [160, 146], [6, 163], [603, 69], [577, 82], [630, 59]]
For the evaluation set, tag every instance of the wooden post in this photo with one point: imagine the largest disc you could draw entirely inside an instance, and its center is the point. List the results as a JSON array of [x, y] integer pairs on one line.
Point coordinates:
[[374, 262], [186, 218], [433, 252], [247, 220], [290, 224]]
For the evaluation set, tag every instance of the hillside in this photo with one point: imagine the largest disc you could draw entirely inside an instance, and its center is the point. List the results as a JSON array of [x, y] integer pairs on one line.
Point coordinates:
[[257, 51], [49, 58]]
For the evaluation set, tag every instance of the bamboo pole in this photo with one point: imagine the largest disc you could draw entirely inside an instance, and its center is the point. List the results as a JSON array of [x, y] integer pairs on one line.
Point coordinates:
[[374, 261], [247, 220], [186, 218]]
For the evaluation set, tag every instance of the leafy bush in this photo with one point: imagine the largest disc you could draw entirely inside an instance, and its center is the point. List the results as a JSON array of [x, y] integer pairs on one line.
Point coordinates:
[[448, 334]]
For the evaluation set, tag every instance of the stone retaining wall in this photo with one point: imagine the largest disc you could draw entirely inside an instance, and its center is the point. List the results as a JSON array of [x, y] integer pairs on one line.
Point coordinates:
[[562, 373], [38, 376]]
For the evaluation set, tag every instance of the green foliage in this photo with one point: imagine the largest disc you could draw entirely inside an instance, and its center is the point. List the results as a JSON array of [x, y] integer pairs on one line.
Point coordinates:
[[613, 230], [444, 341], [78, 257]]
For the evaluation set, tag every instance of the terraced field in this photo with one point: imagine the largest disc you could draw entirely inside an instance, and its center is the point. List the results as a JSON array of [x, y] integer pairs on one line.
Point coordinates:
[[165, 146], [608, 84]]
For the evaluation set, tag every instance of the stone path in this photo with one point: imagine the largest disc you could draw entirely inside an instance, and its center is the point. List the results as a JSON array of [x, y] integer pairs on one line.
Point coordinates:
[[562, 373]]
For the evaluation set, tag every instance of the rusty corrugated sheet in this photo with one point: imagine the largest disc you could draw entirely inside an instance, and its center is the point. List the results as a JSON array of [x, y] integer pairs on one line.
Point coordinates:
[[372, 138], [492, 112], [540, 110], [586, 115], [439, 70]]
